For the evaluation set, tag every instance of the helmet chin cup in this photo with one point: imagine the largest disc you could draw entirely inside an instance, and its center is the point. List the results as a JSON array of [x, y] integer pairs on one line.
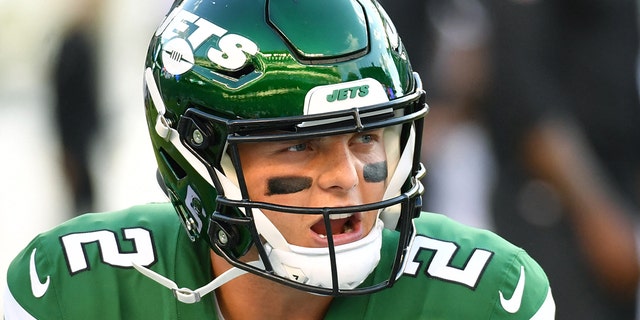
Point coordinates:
[[314, 266]]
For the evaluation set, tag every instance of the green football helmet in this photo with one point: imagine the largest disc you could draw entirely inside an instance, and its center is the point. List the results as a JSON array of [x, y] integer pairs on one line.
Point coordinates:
[[223, 73]]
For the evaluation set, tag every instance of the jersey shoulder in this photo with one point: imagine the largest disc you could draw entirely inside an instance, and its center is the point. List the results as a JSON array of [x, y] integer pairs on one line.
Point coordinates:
[[482, 272], [75, 269], [453, 271]]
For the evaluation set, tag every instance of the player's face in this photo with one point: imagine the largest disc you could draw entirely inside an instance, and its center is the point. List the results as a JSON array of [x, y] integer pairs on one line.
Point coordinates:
[[335, 171]]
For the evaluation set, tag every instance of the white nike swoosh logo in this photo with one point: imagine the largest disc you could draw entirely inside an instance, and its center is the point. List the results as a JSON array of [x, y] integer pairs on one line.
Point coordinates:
[[37, 288], [512, 305]]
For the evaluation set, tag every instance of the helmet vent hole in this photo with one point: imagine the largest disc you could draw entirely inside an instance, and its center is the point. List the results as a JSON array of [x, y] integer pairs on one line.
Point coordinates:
[[177, 170]]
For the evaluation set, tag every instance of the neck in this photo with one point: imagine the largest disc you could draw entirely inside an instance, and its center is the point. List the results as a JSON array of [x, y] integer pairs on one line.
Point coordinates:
[[253, 297]]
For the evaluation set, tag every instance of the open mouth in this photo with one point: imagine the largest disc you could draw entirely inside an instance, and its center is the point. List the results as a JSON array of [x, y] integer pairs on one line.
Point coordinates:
[[344, 227]]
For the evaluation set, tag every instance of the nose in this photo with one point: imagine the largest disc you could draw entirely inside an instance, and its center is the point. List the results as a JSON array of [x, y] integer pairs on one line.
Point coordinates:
[[339, 171]]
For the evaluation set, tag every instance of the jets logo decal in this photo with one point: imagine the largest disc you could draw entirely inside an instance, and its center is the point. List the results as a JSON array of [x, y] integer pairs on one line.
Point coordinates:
[[345, 96], [348, 93], [185, 32]]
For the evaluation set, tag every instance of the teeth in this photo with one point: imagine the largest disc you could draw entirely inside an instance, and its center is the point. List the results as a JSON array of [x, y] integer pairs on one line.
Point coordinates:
[[346, 228], [340, 216]]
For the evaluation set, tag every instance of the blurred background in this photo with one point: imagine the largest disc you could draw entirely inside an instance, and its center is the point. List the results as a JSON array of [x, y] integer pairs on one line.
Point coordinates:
[[534, 133], [37, 191]]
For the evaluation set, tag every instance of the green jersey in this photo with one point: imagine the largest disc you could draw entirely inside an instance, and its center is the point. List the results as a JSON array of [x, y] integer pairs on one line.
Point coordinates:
[[82, 269]]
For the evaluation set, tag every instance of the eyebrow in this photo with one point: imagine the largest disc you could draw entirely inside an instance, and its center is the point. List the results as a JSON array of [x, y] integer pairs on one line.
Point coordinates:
[[287, 185], [375, 172]]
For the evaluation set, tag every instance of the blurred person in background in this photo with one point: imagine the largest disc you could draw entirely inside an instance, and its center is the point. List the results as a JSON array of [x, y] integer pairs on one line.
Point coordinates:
[[451, 38], [561, 113], [74, 78]]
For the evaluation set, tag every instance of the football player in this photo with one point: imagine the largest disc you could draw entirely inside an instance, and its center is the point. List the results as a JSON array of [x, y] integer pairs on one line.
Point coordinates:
[[287, 140]]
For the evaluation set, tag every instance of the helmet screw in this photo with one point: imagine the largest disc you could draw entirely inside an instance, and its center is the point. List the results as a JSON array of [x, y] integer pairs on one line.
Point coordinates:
[[197, 136], [190, 224], [222, 237]]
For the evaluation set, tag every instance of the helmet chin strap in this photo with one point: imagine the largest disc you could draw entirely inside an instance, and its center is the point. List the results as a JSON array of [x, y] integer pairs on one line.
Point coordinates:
[[187, 295]]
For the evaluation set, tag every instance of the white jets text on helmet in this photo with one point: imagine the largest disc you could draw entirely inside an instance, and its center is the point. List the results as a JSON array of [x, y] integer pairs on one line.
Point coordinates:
[[186, 32]]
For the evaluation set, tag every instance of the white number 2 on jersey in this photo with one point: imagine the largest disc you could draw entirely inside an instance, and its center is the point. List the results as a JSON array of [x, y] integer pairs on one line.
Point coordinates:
[[109, 249], [440, 264]]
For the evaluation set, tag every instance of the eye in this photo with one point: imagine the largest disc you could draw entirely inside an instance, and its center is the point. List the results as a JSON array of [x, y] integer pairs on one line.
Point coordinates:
[[366, 138], [369, 137], [297, 147]]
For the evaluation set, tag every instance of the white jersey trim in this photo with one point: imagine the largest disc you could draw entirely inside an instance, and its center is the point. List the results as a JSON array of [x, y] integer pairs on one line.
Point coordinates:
[[548, 309], [12, 309]]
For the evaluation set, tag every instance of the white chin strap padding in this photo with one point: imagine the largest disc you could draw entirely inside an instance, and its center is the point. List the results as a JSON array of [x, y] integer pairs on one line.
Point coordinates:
[[312, 266]]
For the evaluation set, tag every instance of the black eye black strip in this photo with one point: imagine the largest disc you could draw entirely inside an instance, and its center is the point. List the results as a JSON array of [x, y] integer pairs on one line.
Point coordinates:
[[375, 172], [287, 185]]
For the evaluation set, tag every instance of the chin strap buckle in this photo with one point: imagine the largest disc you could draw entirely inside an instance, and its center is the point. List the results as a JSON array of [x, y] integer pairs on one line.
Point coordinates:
[[186, 295]]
